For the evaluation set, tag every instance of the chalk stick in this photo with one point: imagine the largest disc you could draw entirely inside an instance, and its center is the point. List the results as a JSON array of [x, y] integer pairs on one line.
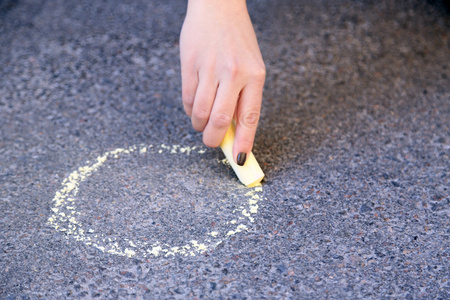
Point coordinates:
[[250, 174]]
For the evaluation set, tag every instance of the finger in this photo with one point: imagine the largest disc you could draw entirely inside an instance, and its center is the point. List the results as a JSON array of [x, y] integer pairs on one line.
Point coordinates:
[[203, 101], [247, 118], [221, 114], [189, 82]]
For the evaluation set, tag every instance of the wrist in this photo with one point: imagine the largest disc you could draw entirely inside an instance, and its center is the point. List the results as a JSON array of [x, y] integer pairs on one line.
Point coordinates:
[[223, 5]]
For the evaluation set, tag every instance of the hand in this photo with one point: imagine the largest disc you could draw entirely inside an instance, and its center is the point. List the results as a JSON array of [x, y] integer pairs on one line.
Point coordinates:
[[222, 72]]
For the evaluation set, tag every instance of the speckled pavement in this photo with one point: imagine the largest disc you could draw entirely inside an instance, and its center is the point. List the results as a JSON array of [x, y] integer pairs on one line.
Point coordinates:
[[107, 192]]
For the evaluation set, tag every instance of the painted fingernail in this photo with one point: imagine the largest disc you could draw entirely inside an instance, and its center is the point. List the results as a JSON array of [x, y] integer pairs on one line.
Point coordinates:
[[241, 158]]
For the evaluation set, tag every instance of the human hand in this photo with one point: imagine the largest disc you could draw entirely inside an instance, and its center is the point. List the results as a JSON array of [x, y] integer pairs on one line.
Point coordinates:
[[222, 72]]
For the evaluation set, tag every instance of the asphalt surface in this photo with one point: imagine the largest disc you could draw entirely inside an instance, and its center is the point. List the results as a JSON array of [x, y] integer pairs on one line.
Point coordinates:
[[107, 192]]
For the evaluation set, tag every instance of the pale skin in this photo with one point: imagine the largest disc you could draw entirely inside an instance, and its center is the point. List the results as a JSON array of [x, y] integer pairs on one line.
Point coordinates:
[[222, 72]]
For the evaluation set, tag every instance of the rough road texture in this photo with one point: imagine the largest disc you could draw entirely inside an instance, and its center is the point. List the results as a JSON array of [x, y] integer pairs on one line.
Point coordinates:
[[354, 139]]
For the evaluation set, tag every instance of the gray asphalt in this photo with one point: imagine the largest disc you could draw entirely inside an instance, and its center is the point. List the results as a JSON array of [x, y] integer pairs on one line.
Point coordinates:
[[107, 192]]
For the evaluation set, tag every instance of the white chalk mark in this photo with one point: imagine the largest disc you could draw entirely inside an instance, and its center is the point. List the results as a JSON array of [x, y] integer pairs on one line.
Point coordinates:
[[65, 200]]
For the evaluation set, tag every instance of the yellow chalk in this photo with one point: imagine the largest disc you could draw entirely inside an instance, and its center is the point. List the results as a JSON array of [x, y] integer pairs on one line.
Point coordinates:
[[250, 174]]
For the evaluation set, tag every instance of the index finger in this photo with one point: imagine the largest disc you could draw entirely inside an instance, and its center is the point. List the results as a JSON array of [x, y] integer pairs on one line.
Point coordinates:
[[247, 117]]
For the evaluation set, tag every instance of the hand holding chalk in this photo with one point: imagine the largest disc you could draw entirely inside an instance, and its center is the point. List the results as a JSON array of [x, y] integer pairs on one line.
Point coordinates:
[[222, 72], [250, 174]]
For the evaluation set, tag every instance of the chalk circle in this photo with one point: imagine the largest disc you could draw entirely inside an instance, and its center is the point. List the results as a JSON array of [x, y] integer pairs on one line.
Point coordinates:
[[147, 202]]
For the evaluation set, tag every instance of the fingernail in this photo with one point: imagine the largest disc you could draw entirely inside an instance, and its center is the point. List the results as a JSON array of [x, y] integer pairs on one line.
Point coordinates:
[[241, 158]]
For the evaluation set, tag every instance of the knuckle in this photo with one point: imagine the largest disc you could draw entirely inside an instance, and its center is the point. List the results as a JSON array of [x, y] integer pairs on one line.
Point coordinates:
[[232, 69], [207, 64], [250, 119], [200, 114], [235, 70], [220, 120], [259, 73], [209, 68], [188, 100]]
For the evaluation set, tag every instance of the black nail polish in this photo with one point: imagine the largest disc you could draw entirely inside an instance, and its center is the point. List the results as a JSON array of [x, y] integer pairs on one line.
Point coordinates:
[[241, 158]]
